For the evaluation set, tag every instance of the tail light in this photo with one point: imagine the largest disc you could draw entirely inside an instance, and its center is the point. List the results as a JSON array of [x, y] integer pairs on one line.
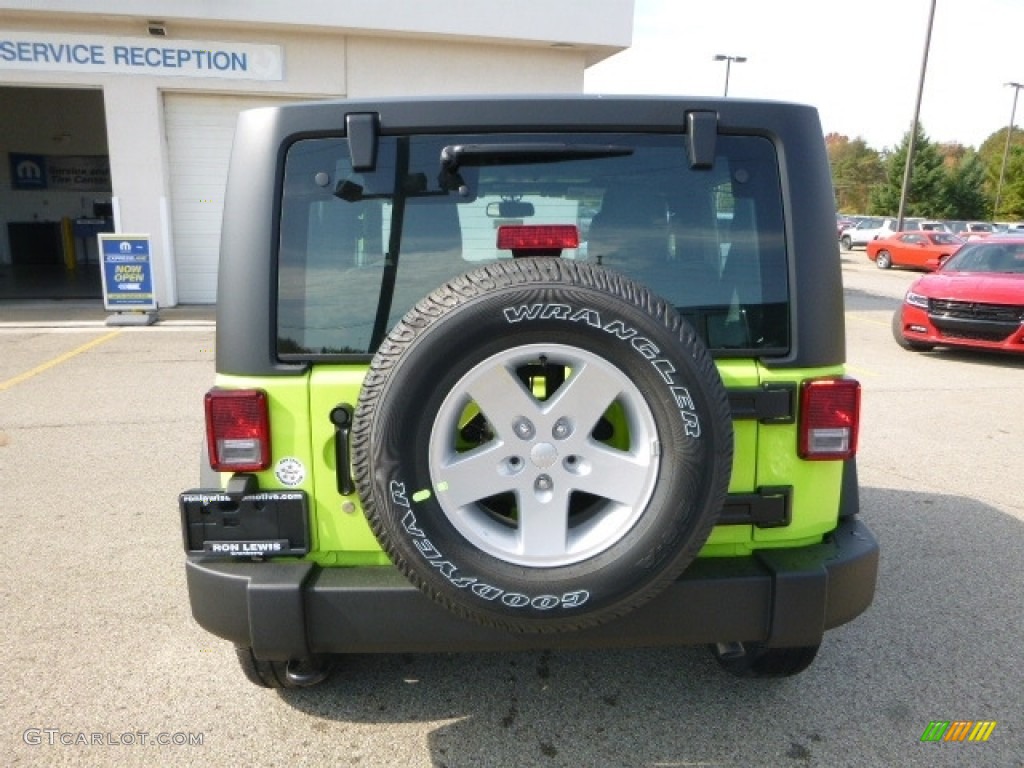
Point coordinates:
[[238, 430], [829, 419]]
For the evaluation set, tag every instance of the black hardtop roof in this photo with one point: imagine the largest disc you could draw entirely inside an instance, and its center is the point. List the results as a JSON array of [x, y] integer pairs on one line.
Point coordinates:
[[544, 112]]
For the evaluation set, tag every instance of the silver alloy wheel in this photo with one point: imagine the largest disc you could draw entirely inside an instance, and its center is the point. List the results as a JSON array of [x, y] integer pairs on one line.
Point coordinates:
[[543, 453]]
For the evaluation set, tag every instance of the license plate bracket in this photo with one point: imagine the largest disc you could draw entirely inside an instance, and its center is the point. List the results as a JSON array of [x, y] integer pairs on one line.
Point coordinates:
[[259, 524]]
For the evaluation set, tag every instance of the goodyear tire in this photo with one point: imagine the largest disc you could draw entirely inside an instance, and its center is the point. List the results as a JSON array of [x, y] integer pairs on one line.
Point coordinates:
[[542, 445]]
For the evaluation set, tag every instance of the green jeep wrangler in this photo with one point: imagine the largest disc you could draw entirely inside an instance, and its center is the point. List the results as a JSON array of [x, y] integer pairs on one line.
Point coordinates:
[[512, 373]]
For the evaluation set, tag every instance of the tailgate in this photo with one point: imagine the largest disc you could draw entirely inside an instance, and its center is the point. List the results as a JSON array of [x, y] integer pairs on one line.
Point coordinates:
[[765, 461]]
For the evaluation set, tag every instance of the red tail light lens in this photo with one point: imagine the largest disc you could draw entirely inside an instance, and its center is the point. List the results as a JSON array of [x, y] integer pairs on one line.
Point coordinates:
[[238, 430], [829, 419], [538, 237]]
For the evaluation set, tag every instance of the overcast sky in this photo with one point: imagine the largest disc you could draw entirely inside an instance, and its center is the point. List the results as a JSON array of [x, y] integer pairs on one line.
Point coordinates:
[[860, 66]]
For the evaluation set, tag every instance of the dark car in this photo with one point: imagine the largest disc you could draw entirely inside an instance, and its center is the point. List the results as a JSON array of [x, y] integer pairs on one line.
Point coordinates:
[[975, 299], [536, 372]]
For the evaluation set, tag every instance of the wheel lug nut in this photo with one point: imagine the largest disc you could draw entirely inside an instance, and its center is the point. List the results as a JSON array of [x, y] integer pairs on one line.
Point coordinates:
[[524, 429], [543, 483], [562, 429]]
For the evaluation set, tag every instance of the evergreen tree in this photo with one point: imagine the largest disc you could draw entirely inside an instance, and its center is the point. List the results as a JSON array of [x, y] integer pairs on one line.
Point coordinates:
[[927, 178], [963, 195]]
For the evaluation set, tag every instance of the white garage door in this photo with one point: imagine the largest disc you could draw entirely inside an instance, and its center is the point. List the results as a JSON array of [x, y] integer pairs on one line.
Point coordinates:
[[200, 129]]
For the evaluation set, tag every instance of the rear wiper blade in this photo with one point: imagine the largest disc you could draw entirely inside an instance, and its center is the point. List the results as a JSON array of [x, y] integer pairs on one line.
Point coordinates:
[[454, 156]]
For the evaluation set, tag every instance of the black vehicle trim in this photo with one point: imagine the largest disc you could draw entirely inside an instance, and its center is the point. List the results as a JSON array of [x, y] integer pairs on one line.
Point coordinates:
[[362, 130], [970, 327], [769, 404], [767, 507], [782, 597], [387, 286], [702, 130]]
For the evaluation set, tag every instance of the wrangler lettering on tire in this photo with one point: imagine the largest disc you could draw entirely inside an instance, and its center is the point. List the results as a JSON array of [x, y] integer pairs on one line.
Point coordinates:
[[561, 438]]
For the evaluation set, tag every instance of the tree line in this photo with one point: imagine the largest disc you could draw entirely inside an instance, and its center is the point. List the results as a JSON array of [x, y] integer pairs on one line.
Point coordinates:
[[948, 181]]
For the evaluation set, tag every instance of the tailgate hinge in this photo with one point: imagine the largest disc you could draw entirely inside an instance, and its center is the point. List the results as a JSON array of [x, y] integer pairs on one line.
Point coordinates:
[[770, 404], [768, 507]]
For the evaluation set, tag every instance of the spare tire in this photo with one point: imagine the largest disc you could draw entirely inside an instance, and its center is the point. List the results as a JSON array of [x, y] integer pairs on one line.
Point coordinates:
[[542, 445]]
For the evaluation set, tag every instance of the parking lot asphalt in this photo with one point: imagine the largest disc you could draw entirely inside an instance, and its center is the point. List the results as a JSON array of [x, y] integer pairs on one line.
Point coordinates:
[[100, 430]]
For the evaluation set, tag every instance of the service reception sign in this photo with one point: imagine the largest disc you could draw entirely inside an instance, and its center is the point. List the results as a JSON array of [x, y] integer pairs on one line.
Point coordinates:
[[139, 55], [127, 271]]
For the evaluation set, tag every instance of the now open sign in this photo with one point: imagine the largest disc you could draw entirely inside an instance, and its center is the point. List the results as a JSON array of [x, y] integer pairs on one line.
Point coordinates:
[[127, 272]]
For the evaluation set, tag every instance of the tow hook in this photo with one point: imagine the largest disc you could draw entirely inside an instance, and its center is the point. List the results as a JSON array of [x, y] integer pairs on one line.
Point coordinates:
[[308, 671], [731, 650]]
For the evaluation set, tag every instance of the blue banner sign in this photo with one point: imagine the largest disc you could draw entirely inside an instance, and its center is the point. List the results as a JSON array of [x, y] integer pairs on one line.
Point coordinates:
[[86, 173], [127, 271]]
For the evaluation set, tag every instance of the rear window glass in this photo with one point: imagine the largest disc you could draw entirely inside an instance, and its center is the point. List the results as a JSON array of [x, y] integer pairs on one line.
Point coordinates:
[[358, 249]]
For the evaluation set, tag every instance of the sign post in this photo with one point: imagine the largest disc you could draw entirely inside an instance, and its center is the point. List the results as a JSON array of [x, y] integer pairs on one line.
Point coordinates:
[[127, 272]]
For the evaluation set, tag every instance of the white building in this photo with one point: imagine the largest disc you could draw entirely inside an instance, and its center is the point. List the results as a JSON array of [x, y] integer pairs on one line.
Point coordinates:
[[120, 114]]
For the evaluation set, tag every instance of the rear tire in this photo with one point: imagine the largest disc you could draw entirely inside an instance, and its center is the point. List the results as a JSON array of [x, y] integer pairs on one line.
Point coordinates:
[[759, 661]]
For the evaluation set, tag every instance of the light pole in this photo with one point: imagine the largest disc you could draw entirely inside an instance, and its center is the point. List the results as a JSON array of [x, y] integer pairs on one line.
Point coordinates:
[[909, 168], [728, 65], [1006, 148]]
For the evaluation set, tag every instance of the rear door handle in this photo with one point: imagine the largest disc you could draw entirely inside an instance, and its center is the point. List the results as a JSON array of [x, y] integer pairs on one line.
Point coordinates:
[[341, 418]]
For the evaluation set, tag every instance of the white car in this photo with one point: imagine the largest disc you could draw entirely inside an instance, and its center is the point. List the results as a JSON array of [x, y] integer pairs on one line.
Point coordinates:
[[924, 225], [867, 230]]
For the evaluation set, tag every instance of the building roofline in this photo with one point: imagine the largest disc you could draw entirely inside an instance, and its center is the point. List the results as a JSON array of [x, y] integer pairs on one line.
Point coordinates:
[[570, 24]]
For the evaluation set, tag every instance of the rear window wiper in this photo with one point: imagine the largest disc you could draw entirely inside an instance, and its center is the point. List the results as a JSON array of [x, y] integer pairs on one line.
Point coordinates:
[[455, 156]]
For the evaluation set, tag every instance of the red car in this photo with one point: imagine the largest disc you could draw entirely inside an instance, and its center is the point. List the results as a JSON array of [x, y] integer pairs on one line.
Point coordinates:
[[975, 299], [919, 249]]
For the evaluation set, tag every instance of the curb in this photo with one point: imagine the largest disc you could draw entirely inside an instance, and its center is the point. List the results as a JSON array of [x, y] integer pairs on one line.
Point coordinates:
[[71, 324]]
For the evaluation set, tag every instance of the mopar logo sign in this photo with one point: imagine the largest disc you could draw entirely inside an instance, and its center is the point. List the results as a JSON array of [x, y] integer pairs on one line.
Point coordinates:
[[27, 171], [85, 173]]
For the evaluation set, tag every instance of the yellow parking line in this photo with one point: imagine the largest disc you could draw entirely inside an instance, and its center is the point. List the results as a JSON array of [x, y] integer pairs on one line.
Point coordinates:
[[56, 361], [861, 371]]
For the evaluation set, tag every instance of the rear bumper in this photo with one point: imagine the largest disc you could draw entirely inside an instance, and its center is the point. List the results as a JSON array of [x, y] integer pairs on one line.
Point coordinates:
[[295, 609]]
